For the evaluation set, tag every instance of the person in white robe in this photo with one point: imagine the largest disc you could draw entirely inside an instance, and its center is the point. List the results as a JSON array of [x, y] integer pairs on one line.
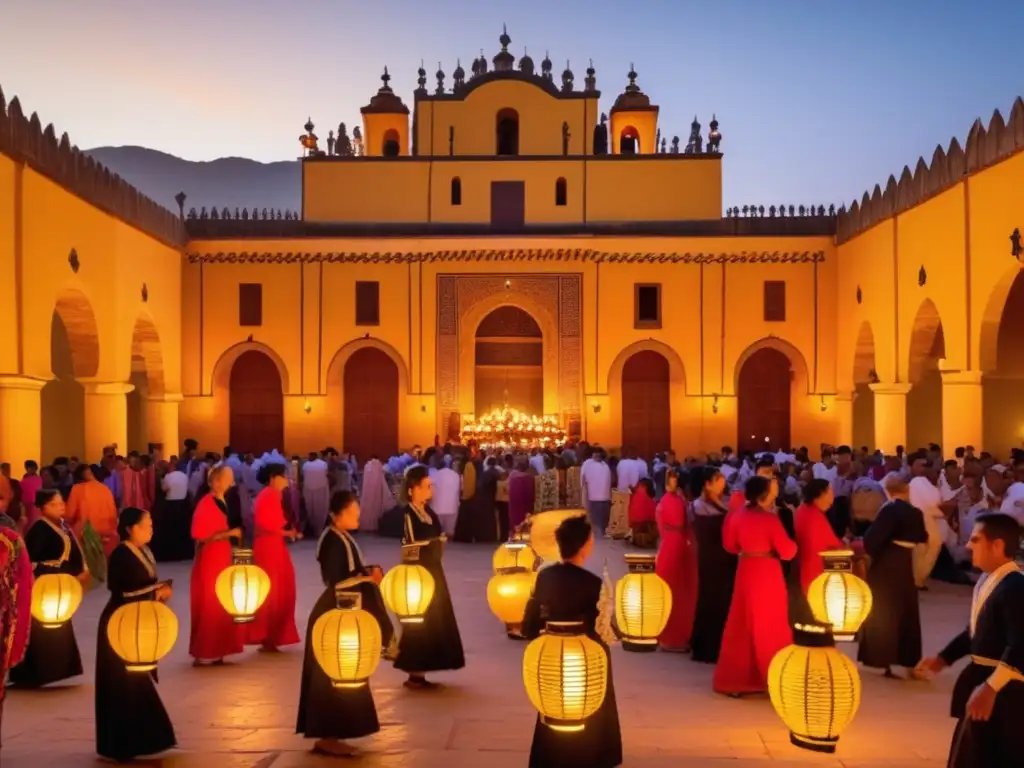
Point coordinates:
[[629, 472], [447, 494], [375, 497], [1013, 502], [316, 493], [926, 497]]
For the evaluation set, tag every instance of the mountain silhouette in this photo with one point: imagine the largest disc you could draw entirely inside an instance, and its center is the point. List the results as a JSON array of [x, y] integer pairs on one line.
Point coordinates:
[[230, 182]]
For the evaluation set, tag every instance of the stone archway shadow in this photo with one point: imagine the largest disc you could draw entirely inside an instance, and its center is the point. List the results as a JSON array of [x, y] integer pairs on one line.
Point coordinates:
[[220, 376]]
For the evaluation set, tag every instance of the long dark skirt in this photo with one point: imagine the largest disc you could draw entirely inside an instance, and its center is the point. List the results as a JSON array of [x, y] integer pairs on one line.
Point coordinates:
[[891, 634], [52, 656], [172, 531], [435, 644], [716, 573], [799, 607], [995, 742], [130, 717], [598, 745], [326, 712]]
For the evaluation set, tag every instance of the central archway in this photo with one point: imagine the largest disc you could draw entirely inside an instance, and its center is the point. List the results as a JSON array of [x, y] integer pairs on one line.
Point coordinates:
[[509, 362], [371, 392], [646, 405], [256, 404], [764, 394], [924, 401]]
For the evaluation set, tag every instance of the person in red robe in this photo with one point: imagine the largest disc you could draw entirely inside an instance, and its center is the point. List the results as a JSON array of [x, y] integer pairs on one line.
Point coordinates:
[[274, 624], [214, 632], [758, 623], [15, 600], [814, 535], [642, 515], [677, 565]]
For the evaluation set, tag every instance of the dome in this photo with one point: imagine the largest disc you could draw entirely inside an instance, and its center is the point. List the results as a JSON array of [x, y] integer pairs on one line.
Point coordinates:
[[632, 99], [386, 101], [504, 60], [526, 64]]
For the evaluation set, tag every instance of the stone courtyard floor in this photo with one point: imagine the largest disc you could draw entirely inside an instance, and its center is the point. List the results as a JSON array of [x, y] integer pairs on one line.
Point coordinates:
[[243, 715]]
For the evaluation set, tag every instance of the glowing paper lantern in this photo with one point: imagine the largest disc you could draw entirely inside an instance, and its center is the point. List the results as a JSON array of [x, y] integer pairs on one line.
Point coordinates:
[[814, 688], [142, 633], [508, 592], [55, 598], [643, 603], [243, 587], [566, 676], [838, 597], [346, 643], [408, 589], [514, 554], [542, 531]]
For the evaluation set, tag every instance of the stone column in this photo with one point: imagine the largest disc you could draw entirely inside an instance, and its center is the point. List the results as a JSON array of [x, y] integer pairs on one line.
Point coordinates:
[[890, 415], [106, 416], [21, 421], [162, 421], [962, 420], [844, 417]]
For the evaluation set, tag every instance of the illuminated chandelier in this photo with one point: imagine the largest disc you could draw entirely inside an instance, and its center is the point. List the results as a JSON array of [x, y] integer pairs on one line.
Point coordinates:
[[506, 427]]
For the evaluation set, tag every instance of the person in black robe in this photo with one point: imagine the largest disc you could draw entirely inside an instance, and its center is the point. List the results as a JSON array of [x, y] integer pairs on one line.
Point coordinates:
[[434, 644], [891, 634], [567, 591], [130, 718], [988, 696], [716, 568], [52, 653], [328, 714]]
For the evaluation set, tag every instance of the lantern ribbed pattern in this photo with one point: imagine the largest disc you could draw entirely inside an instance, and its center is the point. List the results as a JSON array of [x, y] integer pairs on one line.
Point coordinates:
[[242, 588], [566, 676], [814, 688], [55, 598], [508, 591], [408, 589], [542, 531], [347, 643], [142, 633], [839, 597], [643, 603], [514, 554]]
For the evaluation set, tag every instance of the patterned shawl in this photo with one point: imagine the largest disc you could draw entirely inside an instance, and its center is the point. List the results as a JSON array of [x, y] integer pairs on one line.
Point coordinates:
[[15, 600]]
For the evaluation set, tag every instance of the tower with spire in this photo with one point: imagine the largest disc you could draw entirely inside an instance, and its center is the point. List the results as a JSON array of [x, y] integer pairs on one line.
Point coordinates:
[[386, 122]]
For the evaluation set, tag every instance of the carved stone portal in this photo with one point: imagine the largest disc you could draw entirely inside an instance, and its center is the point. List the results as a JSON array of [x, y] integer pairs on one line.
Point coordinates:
[[553, 300]]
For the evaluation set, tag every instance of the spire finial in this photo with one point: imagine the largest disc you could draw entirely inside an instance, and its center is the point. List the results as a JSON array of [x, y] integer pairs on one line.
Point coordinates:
[[385, 78], [504, 39]]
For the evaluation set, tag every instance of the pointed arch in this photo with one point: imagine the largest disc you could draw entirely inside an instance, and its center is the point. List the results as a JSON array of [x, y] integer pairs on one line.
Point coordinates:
[[79, 320], [220, 378], [864, 355], [799, 372], [147, 350], [1001, 298], [926, 341]]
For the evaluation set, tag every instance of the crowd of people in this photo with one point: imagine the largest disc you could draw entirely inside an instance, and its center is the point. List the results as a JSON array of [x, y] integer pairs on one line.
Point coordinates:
[[739, 541]]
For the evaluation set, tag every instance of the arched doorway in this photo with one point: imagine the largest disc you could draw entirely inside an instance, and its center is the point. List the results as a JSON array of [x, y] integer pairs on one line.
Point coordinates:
[[1003, 422], [147, 378], [74, 354], [390, 147], [629, 141], [764, 392], [863, 398], [924, 401], [371, 394], [256, 404], [509, 363], [507, 132], [646, 405]]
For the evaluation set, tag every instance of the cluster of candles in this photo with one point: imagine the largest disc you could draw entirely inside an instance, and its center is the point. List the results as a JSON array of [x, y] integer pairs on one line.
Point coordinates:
[[509, 428]]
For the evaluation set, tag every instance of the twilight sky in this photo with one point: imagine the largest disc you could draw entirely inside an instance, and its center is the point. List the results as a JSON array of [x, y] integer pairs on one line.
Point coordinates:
[[818, 100]]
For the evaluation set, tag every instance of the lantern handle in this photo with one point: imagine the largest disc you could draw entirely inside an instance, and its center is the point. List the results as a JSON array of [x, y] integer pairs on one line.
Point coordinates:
[[347, 600]]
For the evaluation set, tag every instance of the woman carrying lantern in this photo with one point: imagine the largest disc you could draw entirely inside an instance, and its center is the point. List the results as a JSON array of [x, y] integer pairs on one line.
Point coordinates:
[[677, 565], [274, 624], [814, 535], [434, 644], [567, 591], [327, 713], [52, 653], [214, 633], [130, 718], [758, 624]]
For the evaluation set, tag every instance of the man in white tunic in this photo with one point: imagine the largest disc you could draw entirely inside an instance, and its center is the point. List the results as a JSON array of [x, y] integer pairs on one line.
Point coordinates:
[[447, 492], [925, 495]]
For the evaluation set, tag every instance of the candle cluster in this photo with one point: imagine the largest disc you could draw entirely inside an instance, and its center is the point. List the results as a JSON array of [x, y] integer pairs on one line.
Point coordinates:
[[509, 428]]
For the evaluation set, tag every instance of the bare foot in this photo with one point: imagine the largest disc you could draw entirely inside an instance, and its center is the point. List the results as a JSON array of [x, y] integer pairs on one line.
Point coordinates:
[[334, 747]]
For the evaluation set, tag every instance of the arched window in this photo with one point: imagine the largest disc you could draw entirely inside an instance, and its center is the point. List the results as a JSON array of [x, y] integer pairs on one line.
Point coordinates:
[[391, 147], [629, 141], [561, 192], [456, 191], [507, 132]]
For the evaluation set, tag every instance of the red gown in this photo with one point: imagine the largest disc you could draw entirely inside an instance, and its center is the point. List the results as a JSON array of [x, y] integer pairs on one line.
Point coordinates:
[[758, 624], [214, 633], [814, 535], [275, 620], [677, 565]]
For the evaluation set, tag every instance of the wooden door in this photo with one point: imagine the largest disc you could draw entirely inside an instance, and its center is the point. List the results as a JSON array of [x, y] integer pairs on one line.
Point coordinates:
[[371, 405], [646, 405], [256, 404], [508, 203], [764, 394]]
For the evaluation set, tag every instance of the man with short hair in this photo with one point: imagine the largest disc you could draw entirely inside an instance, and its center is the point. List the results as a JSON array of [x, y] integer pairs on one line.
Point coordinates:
[[988, 696], [596, 482]]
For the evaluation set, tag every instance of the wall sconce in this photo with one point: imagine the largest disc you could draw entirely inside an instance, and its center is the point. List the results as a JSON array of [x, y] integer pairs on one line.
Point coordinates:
[[508, 285], [423, 408], [596, 407], [824, 405], [714, 404], [307, 407]]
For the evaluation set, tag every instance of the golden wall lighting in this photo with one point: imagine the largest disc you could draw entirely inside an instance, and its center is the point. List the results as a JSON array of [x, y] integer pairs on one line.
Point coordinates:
[[814, 688], [142, 633], [408, 589], [839, 597], [514, 554], [508, 591], [307, 407], [55, 598], [643, 603], [346, 642], [542, 531], [243, 587], [566, 675]]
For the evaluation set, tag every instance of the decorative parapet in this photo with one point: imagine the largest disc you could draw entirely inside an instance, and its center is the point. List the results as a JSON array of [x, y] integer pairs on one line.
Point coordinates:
[[781, 211], [985, 147], [25, 140], [579, 255]]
